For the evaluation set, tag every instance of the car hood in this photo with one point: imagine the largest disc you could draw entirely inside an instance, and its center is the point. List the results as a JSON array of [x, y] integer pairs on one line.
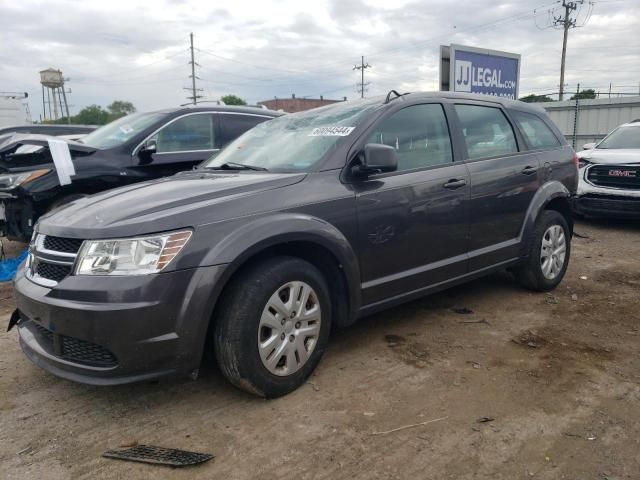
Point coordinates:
[[611, 156], [32, 155], [188, 199]]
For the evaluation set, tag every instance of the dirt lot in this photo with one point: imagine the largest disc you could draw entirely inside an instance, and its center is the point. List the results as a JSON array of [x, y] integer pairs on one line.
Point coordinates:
[[559, 374]]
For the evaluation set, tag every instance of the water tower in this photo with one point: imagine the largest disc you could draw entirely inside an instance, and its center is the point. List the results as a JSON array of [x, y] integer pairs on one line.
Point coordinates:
[[53, 81]]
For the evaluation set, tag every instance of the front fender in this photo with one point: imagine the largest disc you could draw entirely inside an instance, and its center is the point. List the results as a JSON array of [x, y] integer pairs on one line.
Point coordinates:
[[264, 232], [545, 194]]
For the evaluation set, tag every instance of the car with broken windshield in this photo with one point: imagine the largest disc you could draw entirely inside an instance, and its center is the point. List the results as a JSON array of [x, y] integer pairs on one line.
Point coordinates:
[[305, 223], [138, 147]]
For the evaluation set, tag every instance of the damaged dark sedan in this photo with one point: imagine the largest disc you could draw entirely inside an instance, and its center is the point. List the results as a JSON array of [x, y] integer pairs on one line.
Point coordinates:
[[39, 173]]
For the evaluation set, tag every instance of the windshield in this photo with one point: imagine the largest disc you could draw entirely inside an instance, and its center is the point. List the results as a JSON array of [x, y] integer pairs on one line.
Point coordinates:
[[295, 142], [121, 130], [622, 137]]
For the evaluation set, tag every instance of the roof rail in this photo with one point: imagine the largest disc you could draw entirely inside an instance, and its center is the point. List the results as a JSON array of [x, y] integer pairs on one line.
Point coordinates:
[[191, 104], [397, 95]]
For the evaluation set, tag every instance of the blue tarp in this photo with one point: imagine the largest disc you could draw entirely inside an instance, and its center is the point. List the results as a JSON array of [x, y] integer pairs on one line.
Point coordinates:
[[9, 266]]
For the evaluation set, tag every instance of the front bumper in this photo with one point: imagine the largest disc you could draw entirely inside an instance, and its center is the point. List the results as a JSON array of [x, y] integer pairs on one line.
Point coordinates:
[[113, 330], [596, 205], [598, 201]]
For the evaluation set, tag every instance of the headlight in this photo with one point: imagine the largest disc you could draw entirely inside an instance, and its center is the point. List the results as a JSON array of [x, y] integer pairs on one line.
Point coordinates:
[[583, 163], [130, 256], [14, 179]]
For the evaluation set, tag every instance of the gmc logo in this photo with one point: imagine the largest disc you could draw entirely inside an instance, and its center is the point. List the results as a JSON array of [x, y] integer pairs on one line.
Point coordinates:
[[622, 173]]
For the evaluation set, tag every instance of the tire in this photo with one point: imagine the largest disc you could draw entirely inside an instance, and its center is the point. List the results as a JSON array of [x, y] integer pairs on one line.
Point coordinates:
[[537, 274], [265, 351]]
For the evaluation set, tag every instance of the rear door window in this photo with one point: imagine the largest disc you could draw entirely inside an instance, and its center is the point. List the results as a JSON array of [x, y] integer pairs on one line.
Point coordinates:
[[537, 134], [487, 132], [234, 125]]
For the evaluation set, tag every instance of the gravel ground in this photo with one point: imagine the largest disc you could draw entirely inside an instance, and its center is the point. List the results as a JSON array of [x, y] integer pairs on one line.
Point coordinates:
[[556, 376]]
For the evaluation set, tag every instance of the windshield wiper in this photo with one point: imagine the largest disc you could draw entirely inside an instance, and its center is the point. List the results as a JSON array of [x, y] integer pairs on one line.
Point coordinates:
[[238, 166]]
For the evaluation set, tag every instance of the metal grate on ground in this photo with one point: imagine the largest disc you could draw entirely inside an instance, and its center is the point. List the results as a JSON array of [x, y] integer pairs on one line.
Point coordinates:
[[159, 455]]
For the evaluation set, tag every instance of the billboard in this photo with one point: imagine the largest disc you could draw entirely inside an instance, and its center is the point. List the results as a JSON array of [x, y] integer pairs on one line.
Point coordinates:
[[478, 70]]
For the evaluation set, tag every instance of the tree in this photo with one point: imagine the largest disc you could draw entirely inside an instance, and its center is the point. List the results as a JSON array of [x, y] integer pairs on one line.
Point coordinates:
[[536, 98], [233, 100], [120, 108], [92, 115], [585, 94]]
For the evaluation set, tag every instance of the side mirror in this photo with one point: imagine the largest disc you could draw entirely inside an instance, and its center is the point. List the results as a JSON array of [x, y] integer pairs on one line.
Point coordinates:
[[588, 146], [145, 154], [377, 158], [150, 146]]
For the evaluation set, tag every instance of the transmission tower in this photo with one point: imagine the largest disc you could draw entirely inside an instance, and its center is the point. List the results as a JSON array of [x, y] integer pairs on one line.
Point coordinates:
[[194, 91], [362, 68]]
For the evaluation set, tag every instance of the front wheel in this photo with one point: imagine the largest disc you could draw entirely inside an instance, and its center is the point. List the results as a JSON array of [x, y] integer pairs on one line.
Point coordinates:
[[272, 326], [548, 254]]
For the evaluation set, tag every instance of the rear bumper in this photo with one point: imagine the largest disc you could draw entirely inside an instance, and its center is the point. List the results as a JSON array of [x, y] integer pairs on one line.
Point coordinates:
[[107, 331]]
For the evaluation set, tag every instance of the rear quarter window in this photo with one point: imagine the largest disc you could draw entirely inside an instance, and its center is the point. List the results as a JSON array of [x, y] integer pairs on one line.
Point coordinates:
[[537, 134]]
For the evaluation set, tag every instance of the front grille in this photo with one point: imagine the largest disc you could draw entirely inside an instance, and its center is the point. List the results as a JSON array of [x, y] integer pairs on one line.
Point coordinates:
[[52, 258], [615, 176], [74, 349], [59, 244], [52, 271]]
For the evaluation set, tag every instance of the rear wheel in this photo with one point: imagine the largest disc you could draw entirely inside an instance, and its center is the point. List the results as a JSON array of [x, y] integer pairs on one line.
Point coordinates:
[[272, 326], [548, 255]]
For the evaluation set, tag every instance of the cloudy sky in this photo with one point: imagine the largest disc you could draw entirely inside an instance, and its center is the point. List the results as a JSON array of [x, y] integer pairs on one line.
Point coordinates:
[[138, 50]]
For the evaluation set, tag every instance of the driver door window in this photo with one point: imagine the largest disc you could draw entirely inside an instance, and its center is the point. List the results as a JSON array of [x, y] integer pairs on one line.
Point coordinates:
[[189, 133]]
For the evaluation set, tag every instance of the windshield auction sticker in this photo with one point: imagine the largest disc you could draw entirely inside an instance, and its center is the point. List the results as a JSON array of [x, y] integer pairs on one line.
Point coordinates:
[[331, 131]]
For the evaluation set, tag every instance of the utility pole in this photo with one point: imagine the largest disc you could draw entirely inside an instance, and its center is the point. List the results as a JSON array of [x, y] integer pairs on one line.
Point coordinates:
[[576, 115], [194, 91], [566, 22], [362, 67]]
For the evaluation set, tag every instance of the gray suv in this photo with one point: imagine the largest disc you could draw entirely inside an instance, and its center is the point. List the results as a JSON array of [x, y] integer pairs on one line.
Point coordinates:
[[304, 223]]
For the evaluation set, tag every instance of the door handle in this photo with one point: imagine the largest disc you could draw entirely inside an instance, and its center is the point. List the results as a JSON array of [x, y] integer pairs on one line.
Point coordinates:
[[529, 170], [455, 183]]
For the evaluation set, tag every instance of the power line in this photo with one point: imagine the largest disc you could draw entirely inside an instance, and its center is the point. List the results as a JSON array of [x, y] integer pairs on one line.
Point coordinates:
[[127, 80], [140, 67], [262, 67], [331, 68]]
